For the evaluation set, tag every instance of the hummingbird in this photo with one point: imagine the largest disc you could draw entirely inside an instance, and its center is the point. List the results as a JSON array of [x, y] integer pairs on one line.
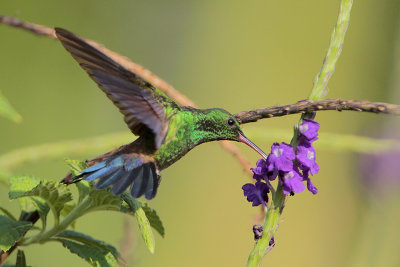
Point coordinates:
[[166, 130]]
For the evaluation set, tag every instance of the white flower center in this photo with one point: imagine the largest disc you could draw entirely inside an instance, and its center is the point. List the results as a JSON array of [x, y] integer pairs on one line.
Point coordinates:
[[303, 128], [310, 155], [278, 152], [289, 175]]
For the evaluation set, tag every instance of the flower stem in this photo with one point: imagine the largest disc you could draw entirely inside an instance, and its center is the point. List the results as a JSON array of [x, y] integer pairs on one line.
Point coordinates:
[[270, 226], [334, 50]]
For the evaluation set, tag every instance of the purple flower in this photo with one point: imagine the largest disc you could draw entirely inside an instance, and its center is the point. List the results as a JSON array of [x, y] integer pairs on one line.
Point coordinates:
[[293, 169], [306, 157], [258, 193], [292, 182], [280, 159], [311, 187], [260, 172], [309, 129]]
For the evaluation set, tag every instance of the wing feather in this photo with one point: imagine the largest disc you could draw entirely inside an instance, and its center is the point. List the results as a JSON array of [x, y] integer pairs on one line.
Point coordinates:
[[136, 99]]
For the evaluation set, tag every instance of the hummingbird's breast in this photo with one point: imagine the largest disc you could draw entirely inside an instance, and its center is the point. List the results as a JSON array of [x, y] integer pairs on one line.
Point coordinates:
[[177, 141]]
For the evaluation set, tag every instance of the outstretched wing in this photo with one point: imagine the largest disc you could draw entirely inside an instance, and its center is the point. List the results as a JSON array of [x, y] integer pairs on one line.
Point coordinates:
[[138, 100]]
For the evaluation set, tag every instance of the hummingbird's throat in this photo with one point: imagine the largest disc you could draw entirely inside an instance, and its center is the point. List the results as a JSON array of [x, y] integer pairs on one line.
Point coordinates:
[[248, 142]]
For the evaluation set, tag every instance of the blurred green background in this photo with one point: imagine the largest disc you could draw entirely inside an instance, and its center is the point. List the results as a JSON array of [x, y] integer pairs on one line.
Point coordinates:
[[233, 54]]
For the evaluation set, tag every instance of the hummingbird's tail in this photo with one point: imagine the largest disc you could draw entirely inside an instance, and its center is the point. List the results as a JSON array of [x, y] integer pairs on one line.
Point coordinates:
[[123, 171]]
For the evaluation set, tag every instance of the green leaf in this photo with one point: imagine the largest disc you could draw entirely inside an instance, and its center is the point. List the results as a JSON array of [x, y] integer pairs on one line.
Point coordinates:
[[11, 231], [144, 224], [103, 200], [43, 208], [21, 261], [84, 188], [132, 203], [88, 240], [19, 185], [153, 218], [7, 110], [150, 213], [145, 229], [6, 212], [56, 196], [95, 256]]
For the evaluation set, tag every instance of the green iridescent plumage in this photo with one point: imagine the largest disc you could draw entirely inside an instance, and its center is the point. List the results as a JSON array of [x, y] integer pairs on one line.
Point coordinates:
[[189, 127], [167, 131]]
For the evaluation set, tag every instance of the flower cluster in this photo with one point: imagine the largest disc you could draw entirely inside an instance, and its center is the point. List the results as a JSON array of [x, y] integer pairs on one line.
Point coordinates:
[[292, 168]]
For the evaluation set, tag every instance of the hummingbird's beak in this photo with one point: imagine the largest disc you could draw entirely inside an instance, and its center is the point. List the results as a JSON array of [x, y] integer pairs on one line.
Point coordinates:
[[248, 142]]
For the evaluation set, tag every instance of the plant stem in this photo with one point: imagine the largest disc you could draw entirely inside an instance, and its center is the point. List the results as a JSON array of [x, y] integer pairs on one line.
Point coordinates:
[[270, 226], [334, 50], [78, 211]]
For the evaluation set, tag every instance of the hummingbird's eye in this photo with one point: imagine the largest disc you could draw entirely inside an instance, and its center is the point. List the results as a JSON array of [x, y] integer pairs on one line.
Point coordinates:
[[231, 122]]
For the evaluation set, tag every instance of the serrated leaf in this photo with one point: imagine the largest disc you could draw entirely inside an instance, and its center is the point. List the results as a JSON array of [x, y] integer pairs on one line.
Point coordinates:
[[145, 229], [56, 195], [153, 218], [88, 240], [151, 215], [143, 222], [11, 231], [21, 261], [103, 200], [8, 214], [132, 203], [6, 110], [95, 256], [20, 185]]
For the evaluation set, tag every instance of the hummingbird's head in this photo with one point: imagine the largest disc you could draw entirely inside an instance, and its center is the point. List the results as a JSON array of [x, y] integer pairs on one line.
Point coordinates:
[[222, 125]]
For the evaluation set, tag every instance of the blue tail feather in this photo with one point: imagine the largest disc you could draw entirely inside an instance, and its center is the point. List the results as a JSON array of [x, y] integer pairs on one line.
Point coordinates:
[[95, 167], [152, 187], [108, 180], [132, 163], [139, 185], [103, 172], [123, 183], [123, 171]]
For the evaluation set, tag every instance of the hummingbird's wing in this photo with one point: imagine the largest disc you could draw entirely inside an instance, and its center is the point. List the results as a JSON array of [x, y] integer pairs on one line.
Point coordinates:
[[141, 104]]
